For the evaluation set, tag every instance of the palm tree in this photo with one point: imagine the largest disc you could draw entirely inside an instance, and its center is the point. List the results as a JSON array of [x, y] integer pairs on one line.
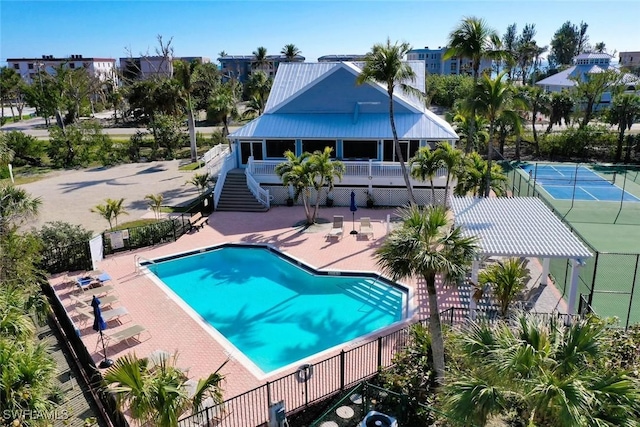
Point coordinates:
[[507, 279], [424, 165], [540, 373], [471, 173], [324, 172], [201, 181], [259, 85], [16, 206], [537, 101], [155, 202], [184, 72], [451, 158], [158, 395], [111, 210], [560, 108], [384, 65], [475, 40], [260, 59], [290, 51], [425, 246], [493, 98], [224, 104], [294, 172], [624, 112]]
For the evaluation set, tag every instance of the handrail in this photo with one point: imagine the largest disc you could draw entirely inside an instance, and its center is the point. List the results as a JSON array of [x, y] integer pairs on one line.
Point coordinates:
[[258, 192], [227, 165], [138, 264], [215, 151]]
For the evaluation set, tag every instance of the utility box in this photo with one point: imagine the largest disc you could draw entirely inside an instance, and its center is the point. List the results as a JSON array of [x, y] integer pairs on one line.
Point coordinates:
[[277, 414]]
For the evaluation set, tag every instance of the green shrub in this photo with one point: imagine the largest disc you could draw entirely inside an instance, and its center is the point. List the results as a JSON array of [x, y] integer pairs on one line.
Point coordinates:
[[590, 142]]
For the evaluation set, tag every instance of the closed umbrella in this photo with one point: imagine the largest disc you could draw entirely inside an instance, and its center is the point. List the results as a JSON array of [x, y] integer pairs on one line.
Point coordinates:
[[353, 208], [100, 325]]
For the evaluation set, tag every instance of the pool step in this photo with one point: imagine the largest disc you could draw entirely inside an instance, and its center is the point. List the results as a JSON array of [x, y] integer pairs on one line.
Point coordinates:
[[375, 295], [236, 196]]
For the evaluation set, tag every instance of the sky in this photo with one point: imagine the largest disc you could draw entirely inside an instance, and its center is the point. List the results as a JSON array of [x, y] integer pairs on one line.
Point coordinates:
[[114, 29]]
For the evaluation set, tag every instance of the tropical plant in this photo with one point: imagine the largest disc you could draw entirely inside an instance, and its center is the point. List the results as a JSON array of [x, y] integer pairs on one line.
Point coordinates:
[[451, 158], [568, 41], [223, 105], [536, 372], [290, 51], [201, 181], [384, 64], [507, 278], [471, 173], [25, 149], [155, 203], [260, 58], [460, 118], [589, 89], [475, 40], [624, 112], [157, 395], [424, 165], [425, 246], [111, 210], [259, 85], [16, 206], [537, 101], [560, 109], [324, 172], [494, 99]]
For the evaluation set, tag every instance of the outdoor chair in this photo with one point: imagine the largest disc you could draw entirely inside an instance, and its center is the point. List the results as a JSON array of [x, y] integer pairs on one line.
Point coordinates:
[[107, 315], [337, 228], [124, 335], [92, 280], [83, 302], [366, 229]]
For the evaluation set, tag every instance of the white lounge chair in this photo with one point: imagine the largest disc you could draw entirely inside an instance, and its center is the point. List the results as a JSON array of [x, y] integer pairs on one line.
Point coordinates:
[[337, 228], [82, 301], [132, 332], [107, 315], [366, 228]]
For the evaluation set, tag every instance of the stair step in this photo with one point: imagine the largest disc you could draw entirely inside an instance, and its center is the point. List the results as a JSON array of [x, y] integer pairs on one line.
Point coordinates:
[[236, 196]]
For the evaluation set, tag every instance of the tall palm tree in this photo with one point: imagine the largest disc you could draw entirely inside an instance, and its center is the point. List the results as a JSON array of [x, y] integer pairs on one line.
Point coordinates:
[[624, 112], [451, 158], [542, 372], [424, 165], [290, 51], [494, 99], [294, 173], [260, 59], [384, 65], [425, 246], [184, 72], [224, 104], [473, 39], [324, 172], [158, 395], [259, 85]]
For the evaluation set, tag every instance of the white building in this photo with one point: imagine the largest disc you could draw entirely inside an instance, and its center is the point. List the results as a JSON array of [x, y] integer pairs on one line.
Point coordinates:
[[102, 68], [145, 67]]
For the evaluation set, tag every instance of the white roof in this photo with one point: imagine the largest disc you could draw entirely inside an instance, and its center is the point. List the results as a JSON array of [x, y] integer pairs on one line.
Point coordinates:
[[519, 226]]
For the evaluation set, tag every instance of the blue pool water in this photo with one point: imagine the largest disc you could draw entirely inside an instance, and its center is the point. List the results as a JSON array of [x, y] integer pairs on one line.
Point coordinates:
[[274, 311]]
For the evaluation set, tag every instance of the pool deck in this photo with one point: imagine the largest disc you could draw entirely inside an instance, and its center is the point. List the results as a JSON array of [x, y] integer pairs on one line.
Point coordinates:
[[172, 329]]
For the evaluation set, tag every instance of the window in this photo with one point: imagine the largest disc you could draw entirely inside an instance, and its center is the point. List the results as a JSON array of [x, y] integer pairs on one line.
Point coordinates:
[[72, 65], [311, 145], [421, 56], [16, 66], [277, 147], [409, 149], [359, 150], [31, 66]]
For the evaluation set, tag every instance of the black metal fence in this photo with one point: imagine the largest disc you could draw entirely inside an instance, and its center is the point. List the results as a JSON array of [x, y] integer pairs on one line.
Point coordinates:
[[105, 400], [67, 258], [609, 281], [147, 235], [309, 384]]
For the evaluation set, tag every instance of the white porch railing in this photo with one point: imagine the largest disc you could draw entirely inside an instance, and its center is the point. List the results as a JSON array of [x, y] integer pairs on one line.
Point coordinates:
[[356, 173], [221, 168], [258, 192], [214, 152]]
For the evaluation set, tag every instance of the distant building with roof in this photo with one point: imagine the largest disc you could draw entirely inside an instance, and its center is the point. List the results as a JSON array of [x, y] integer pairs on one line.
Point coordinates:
[[435, 64], [584, 65], [341, 58], [316, 105], [630, 59], [240, 67], [102, 68], [145, 67]]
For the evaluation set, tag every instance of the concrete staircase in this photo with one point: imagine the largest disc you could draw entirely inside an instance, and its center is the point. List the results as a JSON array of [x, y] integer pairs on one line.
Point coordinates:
[[236, 196]]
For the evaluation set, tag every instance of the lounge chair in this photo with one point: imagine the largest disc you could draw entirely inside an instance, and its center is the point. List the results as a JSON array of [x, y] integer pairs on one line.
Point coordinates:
[[366, 228], [92, 281], [107, 315], [337, 228], [125, 335], [83, 302]]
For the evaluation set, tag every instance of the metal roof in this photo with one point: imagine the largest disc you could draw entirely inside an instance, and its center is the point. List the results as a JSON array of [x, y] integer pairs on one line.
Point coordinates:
[[593, 55], [519, 226], [366, 126]]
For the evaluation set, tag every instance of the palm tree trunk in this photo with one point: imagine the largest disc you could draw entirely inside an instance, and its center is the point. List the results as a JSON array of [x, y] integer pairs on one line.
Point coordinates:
[[192, 133], [435, 328], [396, 142], [535, 133], [446, 188], [619, 146], [487, 176], [433, 192]]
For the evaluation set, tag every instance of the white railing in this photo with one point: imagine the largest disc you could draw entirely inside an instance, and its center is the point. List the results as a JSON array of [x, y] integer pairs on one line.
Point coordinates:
[[355, 169], [258, 192], [216, 151], [225, 166]]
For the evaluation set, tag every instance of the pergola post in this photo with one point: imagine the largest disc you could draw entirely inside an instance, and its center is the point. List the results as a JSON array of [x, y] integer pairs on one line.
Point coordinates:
[[573, 285], [473, 306], [545, 271]]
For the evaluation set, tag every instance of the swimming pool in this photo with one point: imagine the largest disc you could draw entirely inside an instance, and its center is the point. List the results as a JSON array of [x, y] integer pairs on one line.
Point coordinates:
[[274, 309]]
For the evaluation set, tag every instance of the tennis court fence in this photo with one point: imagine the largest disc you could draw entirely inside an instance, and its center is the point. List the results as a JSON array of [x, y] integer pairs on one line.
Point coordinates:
[[609, 281]]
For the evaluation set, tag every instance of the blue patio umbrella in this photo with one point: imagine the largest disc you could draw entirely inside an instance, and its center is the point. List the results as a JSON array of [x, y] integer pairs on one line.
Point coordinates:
[[100, 325], [353, 208]]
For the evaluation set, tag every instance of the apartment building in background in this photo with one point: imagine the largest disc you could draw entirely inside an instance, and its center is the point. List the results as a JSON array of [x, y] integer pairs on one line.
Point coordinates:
[[145, 67], [102, 68], [435, 64]]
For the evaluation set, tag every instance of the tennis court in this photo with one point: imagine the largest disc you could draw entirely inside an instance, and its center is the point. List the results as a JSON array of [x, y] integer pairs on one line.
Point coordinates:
[[601, 204], [567, 182]]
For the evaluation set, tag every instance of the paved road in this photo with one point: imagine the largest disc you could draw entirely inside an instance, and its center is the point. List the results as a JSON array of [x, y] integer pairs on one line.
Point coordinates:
[[70, 195]]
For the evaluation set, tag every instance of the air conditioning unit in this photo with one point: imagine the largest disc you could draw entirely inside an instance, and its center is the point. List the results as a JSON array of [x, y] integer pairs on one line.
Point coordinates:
[[378, 419]]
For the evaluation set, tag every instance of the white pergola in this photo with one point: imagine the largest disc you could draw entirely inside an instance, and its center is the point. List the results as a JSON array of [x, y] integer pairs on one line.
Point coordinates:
[[520, 227]]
